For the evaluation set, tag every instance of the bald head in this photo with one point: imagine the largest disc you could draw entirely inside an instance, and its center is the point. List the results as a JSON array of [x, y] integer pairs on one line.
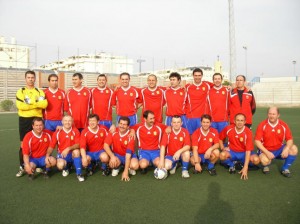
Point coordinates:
[[273, 115]]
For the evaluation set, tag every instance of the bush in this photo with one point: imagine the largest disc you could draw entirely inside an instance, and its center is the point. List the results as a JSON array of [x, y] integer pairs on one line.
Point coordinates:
[[7, 105]]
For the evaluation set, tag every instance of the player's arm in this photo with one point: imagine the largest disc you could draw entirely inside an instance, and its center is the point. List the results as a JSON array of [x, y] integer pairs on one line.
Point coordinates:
[[162, 153], [22, 103], [196, 159], [285, 151], [244, 171], [41, 102], [113, 159], [66, 151], [125, 175], [180, 151], [262, 148], [27, 166], [210, 149]]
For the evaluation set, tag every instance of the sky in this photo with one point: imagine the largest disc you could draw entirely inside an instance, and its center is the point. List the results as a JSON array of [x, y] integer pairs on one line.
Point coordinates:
[[165, 33]]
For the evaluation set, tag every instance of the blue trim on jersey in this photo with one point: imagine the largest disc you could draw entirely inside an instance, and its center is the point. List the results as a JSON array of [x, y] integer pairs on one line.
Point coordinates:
[[52, 125]]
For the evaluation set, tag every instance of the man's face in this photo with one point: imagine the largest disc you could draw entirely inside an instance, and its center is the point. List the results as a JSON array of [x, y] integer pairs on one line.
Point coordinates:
[[273, 115], [67, 122], [76, 82], [174, 82], [30, 79], [176, 123], [101, 81], [53, 83], [123, 126], [240, 82], [125, 81], [151, 81], [150, 120], [38, 127], [205, 124], [93, 123], [197, 77], [217, 80], [240, 121]]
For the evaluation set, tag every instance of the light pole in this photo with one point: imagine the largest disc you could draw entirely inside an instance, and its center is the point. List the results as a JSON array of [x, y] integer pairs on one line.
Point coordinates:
[[294, 63], [245, 48], [140, 61]]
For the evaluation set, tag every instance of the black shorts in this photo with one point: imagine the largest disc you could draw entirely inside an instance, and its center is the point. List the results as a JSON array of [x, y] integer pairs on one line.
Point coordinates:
[[25, 125]]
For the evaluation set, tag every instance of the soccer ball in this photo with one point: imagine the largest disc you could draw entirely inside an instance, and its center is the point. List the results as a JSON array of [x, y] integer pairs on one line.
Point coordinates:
[[160, 174]]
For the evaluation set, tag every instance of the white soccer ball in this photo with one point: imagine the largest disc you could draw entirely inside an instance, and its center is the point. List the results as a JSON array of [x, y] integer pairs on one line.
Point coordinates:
[[160, 174]]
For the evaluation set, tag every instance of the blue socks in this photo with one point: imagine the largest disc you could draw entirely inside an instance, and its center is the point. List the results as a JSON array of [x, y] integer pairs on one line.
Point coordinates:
[[77, 164], [228, 162], [185, 165], [288, 162]]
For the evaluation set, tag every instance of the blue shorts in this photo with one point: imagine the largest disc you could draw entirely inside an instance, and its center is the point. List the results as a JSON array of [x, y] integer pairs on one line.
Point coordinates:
[[174, 162], [133, 120], [183, 119], [149, 155], [276, 153], [51, 125], [68, 159], [193, 124], [39, 162], [238, 156], [106, 123], [219, 125], [95, 156], [123, 158]]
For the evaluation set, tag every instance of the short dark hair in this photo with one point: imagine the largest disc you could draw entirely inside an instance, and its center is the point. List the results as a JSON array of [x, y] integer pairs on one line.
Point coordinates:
[[216, 74], [102, 75], [52, 75], [244, 77], [175, 75], [79, 75], [125, 73], [197, 70], [146, 113], [238, 114], [123, 118], [206, 116], [176, 116], [94, 116], [39, 119], [29, 72]]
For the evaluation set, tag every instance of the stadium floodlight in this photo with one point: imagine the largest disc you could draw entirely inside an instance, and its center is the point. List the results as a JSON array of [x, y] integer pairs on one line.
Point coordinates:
[[245, 48]]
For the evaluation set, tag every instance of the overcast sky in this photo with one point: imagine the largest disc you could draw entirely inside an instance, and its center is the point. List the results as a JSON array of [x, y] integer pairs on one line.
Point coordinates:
[[163, 32]]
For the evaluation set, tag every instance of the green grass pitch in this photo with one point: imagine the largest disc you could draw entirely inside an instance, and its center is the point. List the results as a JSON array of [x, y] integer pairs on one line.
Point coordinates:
[[201, 199]]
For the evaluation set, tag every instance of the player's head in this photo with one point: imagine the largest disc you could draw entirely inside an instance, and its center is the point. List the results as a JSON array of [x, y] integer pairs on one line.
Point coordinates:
[[77, 79], [53, 81], [175, 79], [240, 81], [101, 80], [123, 124], [273, 115], [176, 122], [93, 120], [217, 79], [149, 117], [240, 120], [125, 79], [205, 121], [197, 75], [30, 78], [67, 122], [152, 81], [37, 125]]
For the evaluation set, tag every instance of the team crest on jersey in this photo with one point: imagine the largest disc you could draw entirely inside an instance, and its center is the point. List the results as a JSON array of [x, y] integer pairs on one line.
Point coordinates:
[[278, 131], [181, 93], [72, 137], [101, 134], [210, 140], [106, 91], [131, 94], [181, 139], [45, 139], [223, 92], [84, 93], [203, 88], [125, 142], [241, 139], [157, 92], [154, 133], [59, 97]]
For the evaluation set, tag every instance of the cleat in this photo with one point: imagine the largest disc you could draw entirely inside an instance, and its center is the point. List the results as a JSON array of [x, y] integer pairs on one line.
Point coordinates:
[[238, 166], [231, 170], [89, 172], [196, 171], [212, 172], [80, 178], [266, 170], [46, 175], [30, 176], [115, 172], [106, 172], [21, 172], [185, 174], [132, 172], [286, 173], [38, 170], [173, 170], [224, 165], [144, 171], [65, 173]]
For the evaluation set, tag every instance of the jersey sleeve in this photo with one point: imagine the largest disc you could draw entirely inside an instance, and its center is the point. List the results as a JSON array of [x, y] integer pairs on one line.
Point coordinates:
[[223, 134], [25, 146], [164, 140], [259, 132], [249, 142], [130, 145], [77, 136], [54, 140], [82, 143], [108, 139], [21, 103], [42, 102], [187, 139]]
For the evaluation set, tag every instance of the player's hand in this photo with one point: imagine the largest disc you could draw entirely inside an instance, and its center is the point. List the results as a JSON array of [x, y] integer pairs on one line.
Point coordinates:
[[207, 154], [270, 155], [28, 169], [285, 153], [59, 127], [84, 162], [132, 133], [112, 128], [198, 167], [226, 149], [65, 152], [168, 130], [125, 176], [176, 156], [244, 173], [160, 164], [113, 162]]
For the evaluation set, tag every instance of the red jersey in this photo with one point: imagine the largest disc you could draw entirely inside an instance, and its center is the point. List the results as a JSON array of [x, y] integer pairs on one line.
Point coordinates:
[[36, 146], [175, 101], [175, 141], [238, 141], [126, 100], [153, 100], [149, 138], [78, 106], [120, 143], [273, 136], [205, 141], [64, 139], [196, 99], [93, 141], [55, 109], [102, 103], [246, 106], [218, 104]]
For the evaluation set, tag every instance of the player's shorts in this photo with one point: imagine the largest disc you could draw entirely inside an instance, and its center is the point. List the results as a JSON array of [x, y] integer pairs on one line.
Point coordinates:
[[219, 125], [68, 159], [173, 161], [95, 156], [237, 156], [149, 155], [193, 124], [133, 119], [106, 123], [276, 153], [25, 126], [51, 125], [123, 158], [183, 119], [39, 162]]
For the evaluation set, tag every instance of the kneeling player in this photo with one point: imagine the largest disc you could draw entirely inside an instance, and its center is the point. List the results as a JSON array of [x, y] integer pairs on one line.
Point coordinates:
[[122, 150], [175, 146], [35, 145], [91, 146], [239, 147], [205, 144], [67, 140]]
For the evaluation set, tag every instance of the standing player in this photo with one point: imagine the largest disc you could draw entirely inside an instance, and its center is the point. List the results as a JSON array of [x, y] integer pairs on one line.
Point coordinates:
[[218, 103], [120, 148], [205, 144], [35, 145], [175, 146], [30, 102], [55, 110], [78, 102], [153, 98], [67, 141], [196, 100], [275, 141], [175, 98], [91, 145], [126, 99], [242, 101], [102, 101], [239, 147]]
